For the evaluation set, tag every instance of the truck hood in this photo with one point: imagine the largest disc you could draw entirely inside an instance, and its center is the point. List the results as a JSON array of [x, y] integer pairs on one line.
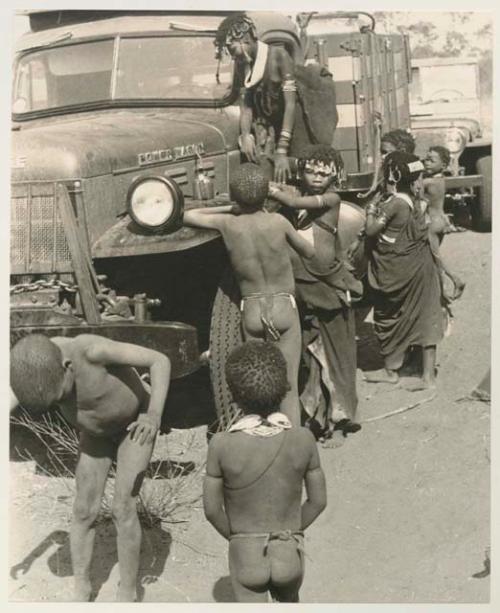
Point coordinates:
[[91, 144]]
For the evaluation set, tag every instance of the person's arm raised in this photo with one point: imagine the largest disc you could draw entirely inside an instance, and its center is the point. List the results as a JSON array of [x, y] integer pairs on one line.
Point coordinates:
[[107, 352], [315, 484], [213, 490], [211, 218], [294, 201]]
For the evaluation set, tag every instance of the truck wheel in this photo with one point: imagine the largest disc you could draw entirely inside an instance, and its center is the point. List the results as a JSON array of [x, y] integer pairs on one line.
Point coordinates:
[[482, 211], [225, 335]]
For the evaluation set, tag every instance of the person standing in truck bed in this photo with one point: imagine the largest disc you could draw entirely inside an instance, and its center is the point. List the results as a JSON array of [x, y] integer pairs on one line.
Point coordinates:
[[258, 245]]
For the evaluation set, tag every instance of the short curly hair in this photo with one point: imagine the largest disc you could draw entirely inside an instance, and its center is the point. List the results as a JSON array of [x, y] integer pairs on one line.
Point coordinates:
[[249, 186], [256, 374], [444, 154], [36, 372], [320, 153], [401, 139]]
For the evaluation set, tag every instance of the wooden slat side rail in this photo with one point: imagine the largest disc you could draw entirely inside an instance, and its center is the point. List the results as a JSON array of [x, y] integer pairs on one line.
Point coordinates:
[[79, 258]]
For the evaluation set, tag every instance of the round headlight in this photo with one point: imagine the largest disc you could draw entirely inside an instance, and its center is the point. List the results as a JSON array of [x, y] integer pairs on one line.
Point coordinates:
[[455, 140], [155, 203]]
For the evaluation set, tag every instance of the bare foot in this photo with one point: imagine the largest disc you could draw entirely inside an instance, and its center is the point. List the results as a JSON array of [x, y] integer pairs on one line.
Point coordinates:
[[333, 441], [126, 595], [381, 376], [82, 590], [422, 384]]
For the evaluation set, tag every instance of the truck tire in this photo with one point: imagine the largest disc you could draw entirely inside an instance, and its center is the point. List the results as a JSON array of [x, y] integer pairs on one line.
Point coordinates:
[[482, 213], [225, 335]]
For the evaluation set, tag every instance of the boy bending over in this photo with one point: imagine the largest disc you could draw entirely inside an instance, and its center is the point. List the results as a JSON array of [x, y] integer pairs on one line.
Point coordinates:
[[92, 380], [258, 245], [253, 487]]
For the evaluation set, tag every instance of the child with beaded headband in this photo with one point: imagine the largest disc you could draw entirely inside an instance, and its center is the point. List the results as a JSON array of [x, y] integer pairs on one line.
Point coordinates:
[[327, 289]]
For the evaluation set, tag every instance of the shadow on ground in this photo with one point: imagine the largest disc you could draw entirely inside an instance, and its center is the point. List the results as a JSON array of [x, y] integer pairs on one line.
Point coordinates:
[[223, 590], [155, 550]]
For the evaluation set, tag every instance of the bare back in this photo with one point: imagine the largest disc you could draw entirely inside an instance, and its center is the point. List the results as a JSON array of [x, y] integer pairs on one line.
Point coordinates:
[[106, 399], [263, 479], [259, 252]]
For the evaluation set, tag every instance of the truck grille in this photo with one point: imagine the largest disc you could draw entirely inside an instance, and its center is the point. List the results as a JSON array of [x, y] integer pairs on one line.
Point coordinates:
[[37, 243]]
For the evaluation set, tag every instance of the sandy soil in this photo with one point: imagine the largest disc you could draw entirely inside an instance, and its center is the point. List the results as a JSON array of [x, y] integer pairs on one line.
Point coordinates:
[[408, 513]]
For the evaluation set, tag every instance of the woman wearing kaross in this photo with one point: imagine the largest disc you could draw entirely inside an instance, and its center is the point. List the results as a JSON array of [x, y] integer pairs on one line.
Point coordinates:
[[403, 275]]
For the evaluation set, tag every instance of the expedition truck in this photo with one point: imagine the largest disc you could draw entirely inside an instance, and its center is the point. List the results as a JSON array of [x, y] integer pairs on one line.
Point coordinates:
[[445, 107], [119, 124]]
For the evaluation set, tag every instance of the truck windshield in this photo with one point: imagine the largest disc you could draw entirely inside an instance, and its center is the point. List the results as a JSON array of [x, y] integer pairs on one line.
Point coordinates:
[[131, 68]]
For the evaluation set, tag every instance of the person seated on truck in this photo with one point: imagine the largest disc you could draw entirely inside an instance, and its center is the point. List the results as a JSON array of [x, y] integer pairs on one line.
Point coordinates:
[[257, 243], [93, 381], [327, 289], [252, 490], [436, 162], [265, 75]]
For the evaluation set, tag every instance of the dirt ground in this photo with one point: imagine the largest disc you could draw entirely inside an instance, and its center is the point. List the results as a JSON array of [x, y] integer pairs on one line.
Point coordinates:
[[408, 496]]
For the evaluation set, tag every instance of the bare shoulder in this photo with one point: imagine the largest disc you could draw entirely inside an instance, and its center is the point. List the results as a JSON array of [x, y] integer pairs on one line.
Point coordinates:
[[434, 185], [331, 199], [278, 221], [217, 442], [282, 57], [304, 437]]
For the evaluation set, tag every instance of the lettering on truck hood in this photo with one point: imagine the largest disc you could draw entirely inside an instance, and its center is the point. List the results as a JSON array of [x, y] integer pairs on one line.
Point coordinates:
[[92, 144]]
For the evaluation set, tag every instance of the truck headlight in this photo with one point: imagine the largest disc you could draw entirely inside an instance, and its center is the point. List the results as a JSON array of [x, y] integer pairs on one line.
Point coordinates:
[[155, 203], [455, 140]]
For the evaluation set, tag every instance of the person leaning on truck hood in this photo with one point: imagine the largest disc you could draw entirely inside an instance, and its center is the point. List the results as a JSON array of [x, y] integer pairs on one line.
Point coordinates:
[[266, 77]]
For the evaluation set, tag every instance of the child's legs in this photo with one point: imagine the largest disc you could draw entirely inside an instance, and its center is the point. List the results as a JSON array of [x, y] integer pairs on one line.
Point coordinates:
[[290, 344], [285, 318], [94, 462], [249, 569], [287, 570], [131, 463]]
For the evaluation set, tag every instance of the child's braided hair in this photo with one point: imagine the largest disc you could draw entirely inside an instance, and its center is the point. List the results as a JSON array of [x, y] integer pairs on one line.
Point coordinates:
[[257, 377], [36, 371], [249, 186], [238, 23]]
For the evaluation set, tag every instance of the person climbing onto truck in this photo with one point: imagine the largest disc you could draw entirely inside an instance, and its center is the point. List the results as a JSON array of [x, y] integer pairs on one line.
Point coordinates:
[[257, 243], [252, 490], [93, 381], [327, 289], [265, 75]]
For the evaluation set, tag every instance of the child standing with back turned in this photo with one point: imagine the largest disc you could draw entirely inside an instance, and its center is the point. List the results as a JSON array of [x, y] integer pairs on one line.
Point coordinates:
[[258, 245], [252, 491]]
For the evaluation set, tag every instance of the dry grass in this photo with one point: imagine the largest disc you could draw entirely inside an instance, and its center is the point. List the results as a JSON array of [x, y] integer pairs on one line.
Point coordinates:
[[169, 492]]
